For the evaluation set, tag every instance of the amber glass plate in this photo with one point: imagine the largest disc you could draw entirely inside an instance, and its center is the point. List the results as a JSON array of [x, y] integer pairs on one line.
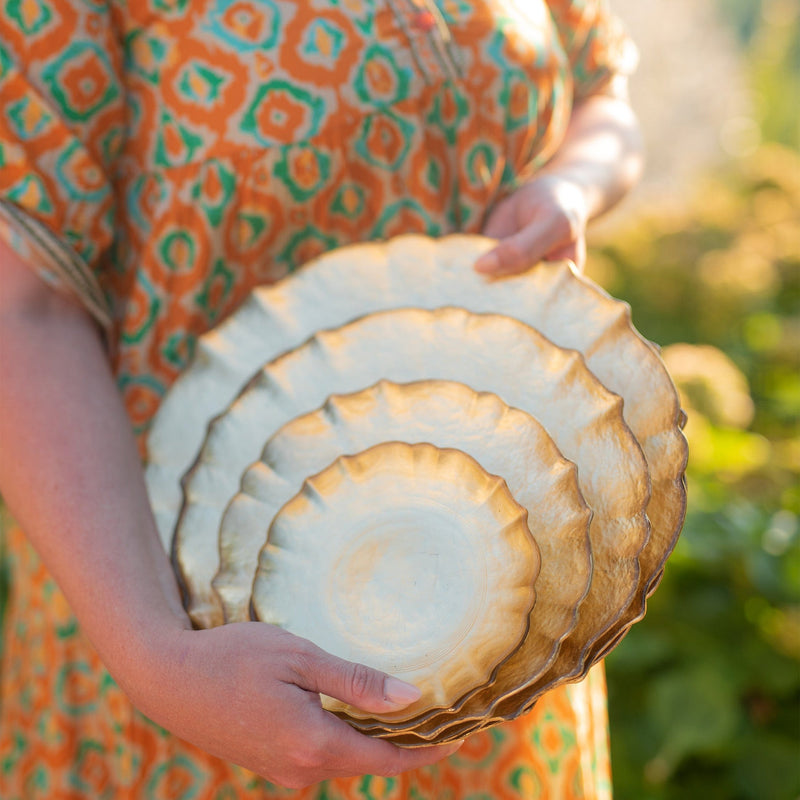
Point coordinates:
[[407, 558], [503, 440]]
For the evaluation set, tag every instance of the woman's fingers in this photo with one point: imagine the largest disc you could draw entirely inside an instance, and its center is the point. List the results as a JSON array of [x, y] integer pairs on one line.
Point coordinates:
[[355, 754], [544, 219], [314, 745], [527, 247], [249, 693], [363, 687], [574, 252], [502, 221], [336, 749]]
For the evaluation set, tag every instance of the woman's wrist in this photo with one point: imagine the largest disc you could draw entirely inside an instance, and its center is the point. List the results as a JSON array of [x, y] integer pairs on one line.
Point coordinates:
[[573, 189], [546, 217], [135, 630], [602, 152]]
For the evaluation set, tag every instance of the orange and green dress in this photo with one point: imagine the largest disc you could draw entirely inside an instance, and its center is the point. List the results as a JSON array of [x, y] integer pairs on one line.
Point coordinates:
[[158, 159]]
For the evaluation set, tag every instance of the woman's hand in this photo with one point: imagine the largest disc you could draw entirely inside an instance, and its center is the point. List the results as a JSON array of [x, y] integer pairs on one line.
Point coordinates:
[[599, 161], [249, 693], [545, 219]]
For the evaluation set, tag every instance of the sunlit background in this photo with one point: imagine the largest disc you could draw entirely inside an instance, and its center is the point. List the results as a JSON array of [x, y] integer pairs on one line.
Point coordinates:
[[705, 692]]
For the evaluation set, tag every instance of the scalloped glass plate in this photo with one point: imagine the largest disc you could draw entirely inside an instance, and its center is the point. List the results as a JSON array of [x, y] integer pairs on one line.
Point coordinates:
[[407, 558], [428, 273], [503, 440], [489, 352]]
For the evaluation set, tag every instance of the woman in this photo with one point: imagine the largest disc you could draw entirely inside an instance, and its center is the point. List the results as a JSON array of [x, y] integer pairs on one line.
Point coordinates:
[[159, 160]]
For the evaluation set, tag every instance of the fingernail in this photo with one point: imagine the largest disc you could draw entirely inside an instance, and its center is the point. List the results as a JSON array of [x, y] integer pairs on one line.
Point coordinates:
[[399, 693], [487, 263], [455, 745]]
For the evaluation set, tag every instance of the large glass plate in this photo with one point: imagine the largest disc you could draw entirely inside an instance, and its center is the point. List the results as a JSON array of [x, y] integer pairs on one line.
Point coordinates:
[[417, 271], [490, 352]]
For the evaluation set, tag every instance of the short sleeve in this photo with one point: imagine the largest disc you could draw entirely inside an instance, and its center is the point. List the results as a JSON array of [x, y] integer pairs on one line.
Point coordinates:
[[596, 43], [62, 123]]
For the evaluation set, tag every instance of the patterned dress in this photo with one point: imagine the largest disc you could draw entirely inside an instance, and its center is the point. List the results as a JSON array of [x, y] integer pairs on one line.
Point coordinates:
[[158, 159]]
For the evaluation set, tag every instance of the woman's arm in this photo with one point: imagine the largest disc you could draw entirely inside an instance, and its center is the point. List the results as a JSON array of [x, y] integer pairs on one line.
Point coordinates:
[[599, 161], [70, 474]]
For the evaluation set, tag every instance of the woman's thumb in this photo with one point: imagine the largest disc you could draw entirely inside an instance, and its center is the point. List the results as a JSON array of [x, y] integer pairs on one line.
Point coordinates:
[[355, 684]]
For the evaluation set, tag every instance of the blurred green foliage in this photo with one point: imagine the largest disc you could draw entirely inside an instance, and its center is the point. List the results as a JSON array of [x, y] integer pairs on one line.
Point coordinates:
[[705, 693], [770, 34]]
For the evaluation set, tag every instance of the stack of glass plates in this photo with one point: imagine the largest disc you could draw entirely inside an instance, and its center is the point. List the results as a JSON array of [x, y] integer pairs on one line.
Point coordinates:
[[470, 484]]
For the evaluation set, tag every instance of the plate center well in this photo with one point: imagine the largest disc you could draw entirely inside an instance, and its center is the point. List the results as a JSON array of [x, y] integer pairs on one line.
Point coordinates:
[[409, 586]]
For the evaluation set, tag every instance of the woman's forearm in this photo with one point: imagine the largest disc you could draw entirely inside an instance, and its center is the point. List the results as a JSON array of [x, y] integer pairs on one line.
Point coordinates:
[[69, 468]]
